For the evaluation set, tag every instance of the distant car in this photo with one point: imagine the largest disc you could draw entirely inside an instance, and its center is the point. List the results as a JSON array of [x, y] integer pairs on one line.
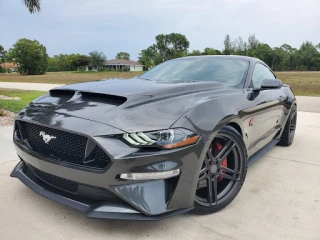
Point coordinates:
[[179, 137]]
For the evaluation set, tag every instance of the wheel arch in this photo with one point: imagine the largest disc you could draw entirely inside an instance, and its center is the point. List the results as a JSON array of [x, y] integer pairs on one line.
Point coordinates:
[[236, 127]]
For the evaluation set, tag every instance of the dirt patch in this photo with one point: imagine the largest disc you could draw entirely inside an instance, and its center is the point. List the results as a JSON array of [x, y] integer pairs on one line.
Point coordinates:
[[6, 118], [10, 98]]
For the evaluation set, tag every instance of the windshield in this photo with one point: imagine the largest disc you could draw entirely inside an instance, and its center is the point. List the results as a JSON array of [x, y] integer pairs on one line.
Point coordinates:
[[230, 72]]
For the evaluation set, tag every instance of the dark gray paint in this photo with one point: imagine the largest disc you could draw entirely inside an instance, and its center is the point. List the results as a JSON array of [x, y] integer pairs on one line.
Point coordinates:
[[151, 105]]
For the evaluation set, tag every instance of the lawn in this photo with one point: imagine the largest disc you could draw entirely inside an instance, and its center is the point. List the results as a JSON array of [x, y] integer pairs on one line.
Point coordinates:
[[16, 106], [302, 83]]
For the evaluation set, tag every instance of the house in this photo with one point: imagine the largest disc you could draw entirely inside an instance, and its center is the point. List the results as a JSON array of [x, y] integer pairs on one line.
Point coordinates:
[[9, 65], [123, 65]]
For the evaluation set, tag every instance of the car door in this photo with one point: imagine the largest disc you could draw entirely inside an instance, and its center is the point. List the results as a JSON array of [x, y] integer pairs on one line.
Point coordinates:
[[267, 111]]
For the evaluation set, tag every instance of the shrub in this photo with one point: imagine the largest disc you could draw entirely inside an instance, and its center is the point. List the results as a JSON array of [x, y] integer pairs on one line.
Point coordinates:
[[53, 69], [3, 70], [2, 113]]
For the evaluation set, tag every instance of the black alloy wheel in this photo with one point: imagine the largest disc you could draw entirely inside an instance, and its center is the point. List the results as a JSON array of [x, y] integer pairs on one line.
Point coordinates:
[[290, 128], [293, 124], [222, 173]]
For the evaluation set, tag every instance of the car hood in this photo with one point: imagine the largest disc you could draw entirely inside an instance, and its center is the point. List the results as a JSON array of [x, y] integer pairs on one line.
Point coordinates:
[[129, 105]]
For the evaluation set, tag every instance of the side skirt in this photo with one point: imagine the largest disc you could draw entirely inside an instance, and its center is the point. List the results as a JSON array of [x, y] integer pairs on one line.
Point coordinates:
[[262, 151]]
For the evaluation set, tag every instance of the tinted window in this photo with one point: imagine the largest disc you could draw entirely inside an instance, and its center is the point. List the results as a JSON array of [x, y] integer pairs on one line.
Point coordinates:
[[260, 73], [230, 72]]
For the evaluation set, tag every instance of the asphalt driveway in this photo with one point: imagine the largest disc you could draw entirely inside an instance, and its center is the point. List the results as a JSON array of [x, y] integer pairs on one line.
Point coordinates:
[[279, 200]]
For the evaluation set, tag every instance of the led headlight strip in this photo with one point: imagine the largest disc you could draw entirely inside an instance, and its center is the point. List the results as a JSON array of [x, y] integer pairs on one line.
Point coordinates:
[[138, 139], [165, 139]]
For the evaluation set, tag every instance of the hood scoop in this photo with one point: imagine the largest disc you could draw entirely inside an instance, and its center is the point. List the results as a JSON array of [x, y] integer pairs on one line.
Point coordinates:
[[102, 98], [77, 103], [62, 93], [60, 97]]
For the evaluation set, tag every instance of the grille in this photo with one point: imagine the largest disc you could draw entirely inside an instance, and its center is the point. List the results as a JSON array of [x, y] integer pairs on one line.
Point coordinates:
[[65, 147], [57, 182]]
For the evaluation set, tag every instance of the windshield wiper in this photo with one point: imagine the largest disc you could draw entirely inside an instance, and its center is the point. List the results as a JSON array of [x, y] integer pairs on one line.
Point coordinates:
[[146, 79], [185, 81]]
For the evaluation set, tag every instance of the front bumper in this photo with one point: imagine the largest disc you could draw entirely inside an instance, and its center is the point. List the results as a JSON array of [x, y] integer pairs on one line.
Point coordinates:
[[109, 210], [141, 200]]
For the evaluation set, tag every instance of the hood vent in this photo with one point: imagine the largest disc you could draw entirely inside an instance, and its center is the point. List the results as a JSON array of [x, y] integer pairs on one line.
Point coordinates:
[[103, 98], [70, 96], [66, 94]]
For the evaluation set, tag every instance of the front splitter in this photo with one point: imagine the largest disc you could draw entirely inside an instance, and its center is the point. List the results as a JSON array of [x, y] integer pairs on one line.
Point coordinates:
[[98, 210]]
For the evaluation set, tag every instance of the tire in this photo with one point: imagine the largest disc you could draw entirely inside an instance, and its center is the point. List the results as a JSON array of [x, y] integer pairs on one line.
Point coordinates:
[[289, 129], [227, 161]]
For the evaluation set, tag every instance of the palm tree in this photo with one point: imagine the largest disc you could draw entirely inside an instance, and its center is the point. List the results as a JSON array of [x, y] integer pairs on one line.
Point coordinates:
[[33, 5]]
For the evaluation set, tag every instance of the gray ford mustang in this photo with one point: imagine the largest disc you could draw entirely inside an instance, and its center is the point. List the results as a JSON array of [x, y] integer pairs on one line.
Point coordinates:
[[178, 138]]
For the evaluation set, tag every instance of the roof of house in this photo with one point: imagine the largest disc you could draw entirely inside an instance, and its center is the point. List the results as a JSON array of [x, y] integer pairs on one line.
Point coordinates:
[[122, 62], [9, 65]]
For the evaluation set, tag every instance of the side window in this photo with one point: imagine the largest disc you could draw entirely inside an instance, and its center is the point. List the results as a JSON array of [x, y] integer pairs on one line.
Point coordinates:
[[260, 73]]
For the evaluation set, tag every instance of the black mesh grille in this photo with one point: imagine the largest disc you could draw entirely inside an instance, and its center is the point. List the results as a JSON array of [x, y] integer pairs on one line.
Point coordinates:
[[57, 182], [65, 147]]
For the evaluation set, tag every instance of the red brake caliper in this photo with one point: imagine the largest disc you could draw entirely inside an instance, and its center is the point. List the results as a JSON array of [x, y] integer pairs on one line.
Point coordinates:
[[224, 163]]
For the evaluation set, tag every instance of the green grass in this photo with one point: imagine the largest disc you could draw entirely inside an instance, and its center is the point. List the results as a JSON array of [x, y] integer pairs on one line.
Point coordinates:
[[17, 106]]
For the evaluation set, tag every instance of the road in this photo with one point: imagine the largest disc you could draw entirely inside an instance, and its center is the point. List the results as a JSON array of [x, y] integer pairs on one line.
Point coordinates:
[[280, 199], [28, 86]]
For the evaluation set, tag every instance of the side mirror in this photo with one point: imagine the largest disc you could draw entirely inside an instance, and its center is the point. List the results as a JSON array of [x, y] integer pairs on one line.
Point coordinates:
[[271, 84]]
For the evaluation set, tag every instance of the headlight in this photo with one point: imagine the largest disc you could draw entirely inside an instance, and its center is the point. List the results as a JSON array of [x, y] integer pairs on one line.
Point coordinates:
[[166, 139]]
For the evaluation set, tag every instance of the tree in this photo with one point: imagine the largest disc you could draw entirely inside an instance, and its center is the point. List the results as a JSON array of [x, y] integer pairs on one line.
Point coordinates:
[[308, 57], [172, 46], [194, 53], [53, 64], [228, 49], [3, 54], [239, 46], [265, 53], [2, 58], [97, 59], [280, 59], [253, 42], [167, 47], [1, 49], [146, 58], [80, 61], [283, 58], [150, 57], [123, 55], [30, 55], [291, 52], [33, 5], [64, 62], [210, 51]]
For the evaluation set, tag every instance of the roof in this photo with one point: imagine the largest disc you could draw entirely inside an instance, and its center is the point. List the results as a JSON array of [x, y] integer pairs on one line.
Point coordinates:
[[122, 62], [9, 65], [250, 59]]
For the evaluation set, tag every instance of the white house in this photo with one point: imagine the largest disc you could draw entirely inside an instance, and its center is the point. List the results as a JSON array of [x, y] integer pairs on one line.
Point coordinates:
[[123, 65]]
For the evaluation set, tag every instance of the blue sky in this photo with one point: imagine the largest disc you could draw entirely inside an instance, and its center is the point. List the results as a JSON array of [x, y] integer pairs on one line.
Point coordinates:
[[80, 26]]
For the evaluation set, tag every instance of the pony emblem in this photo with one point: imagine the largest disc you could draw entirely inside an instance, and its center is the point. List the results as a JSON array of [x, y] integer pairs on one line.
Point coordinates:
[[46, 137]]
